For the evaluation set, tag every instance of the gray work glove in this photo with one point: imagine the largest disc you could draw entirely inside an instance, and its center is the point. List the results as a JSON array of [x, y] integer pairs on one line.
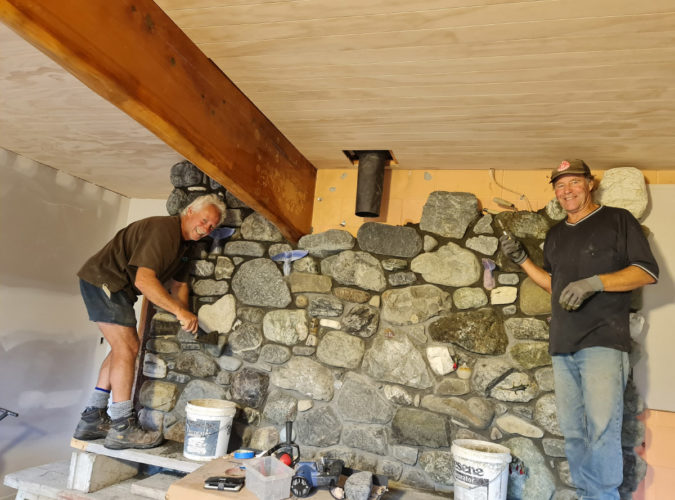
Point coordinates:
[[574, 294], [512, 248]]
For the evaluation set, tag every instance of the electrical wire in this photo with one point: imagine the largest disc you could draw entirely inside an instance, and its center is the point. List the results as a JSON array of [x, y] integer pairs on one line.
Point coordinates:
[[521, 195]]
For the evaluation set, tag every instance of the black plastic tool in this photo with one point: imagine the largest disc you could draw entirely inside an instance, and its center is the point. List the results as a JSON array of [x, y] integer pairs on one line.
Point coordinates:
[[288, 448]]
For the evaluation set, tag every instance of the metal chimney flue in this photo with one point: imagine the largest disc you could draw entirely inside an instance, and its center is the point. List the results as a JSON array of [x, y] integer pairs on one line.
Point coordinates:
[[370, 181]]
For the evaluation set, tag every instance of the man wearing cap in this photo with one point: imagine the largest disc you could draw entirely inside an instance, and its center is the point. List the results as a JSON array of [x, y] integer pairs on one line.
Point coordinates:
[[592, 261]]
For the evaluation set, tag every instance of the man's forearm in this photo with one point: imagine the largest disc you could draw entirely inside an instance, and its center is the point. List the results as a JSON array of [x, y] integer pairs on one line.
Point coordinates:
[[626, 279], [149, 285], [180, 292], [152, 289], [537, 274]]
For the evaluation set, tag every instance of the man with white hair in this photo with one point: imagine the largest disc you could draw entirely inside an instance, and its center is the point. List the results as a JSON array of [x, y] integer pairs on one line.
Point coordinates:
[[139, 259]]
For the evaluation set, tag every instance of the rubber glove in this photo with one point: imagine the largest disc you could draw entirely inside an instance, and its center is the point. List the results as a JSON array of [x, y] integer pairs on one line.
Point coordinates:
[[574, 294], [512, 248]]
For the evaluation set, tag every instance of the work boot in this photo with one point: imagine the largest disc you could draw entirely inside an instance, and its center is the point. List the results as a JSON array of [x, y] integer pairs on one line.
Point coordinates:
[[94, 424], [127, 433]]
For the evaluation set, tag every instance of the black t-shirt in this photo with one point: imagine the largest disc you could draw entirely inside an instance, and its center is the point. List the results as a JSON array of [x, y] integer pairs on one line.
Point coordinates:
[[154, 242], [607, 240]]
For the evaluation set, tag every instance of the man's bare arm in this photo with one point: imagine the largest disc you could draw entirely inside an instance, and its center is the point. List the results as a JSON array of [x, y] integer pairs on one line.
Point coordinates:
[[180, 291], [152, 289], [626, 279], [537, 274]]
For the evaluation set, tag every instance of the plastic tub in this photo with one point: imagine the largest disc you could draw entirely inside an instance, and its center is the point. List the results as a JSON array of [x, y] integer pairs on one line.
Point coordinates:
[[481, 469], [208, 424], [268, 478]]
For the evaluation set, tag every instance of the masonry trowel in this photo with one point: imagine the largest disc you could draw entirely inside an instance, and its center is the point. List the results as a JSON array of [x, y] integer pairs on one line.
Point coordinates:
[[206, 335]]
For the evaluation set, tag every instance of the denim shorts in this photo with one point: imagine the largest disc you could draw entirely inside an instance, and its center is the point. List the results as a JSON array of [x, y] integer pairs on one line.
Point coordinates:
[[117, 309]]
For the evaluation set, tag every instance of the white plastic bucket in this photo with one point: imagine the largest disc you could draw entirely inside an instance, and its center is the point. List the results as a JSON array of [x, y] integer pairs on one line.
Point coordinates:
[[208, 424], [481, 469]]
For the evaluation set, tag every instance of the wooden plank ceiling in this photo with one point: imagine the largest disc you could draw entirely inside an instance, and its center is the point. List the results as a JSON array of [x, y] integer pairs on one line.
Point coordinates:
[[444, 84], [193, 106], [453, 83]]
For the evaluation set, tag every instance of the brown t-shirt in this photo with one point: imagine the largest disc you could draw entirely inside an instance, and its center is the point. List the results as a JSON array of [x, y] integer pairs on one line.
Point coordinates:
[[155, 242]]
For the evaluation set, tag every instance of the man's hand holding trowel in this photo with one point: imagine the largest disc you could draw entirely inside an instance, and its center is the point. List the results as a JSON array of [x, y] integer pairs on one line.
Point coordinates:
[[511, 247]]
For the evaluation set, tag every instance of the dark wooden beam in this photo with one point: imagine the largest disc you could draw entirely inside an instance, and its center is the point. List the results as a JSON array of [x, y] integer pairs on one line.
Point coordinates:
[[131, 53]]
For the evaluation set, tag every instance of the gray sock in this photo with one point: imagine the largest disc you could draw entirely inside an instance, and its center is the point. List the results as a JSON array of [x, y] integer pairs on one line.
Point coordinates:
[[121, 409], [98, 398]]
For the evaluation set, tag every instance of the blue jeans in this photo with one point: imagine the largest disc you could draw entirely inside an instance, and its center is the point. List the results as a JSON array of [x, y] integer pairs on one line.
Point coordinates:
[[589, 387]]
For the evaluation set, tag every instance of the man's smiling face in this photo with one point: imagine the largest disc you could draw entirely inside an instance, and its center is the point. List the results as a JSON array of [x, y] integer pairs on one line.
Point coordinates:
[[574, 193], [197, 224]]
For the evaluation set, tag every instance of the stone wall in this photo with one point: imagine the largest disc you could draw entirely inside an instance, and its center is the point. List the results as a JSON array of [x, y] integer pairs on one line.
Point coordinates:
[[382, 349]]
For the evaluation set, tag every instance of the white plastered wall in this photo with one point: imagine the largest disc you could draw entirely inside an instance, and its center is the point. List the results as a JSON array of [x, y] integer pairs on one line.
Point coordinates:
[[654, 372], [50, 223]]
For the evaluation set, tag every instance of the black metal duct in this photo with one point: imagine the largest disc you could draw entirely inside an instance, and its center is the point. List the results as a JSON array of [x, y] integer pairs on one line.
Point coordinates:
[[369, 183]]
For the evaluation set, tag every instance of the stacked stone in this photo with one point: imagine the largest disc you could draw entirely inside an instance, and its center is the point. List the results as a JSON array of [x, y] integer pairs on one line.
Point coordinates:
[[382, 349]]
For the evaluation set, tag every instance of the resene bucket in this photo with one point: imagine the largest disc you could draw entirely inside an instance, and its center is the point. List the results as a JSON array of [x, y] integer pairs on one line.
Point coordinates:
[[481, 469], [208, 424]]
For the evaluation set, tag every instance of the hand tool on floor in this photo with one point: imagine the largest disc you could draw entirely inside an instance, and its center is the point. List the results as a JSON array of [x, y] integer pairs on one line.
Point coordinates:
[[4, 413]]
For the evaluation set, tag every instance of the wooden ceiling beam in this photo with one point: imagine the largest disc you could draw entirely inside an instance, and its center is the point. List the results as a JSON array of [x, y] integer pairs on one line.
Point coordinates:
[[131, 53]]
